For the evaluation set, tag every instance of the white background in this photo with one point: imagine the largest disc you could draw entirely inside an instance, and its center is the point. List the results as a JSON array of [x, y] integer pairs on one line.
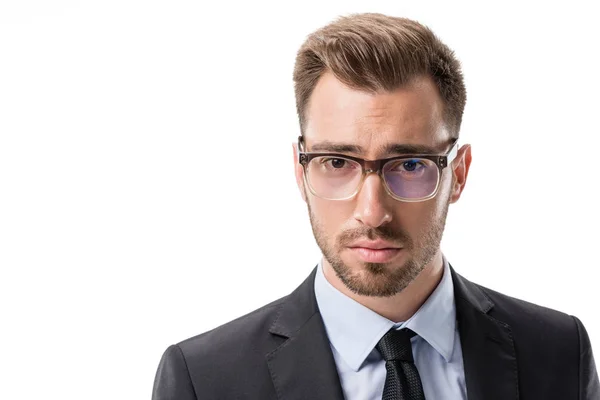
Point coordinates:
[[146, 182]]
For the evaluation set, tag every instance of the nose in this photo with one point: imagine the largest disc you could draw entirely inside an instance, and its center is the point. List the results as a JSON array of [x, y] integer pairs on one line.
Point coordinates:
[[373, 204]]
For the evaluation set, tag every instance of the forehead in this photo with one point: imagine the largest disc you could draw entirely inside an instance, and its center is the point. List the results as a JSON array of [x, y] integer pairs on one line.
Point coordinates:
[[338, 114]]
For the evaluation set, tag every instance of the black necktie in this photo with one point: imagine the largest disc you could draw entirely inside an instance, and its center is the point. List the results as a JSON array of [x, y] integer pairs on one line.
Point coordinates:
[[402, 381]]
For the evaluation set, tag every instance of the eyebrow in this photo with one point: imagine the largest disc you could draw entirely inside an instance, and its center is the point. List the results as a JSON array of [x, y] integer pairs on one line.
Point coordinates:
[[387, 149]]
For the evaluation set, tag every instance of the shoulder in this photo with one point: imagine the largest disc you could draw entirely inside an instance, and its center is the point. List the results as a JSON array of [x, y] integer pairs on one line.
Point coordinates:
[[535, 328], [236, 337], [208, 363], [547, 342], [513, 311], [232, 352]]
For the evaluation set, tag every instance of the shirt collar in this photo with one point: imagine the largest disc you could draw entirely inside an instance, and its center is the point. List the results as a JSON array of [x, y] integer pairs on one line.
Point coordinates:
[[354, 329]]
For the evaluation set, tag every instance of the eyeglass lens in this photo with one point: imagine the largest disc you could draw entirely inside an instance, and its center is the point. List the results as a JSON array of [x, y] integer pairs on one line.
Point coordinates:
[[338, 178]]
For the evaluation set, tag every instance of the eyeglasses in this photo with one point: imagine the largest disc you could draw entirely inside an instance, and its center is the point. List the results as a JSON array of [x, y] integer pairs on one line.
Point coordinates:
[[408, 178]]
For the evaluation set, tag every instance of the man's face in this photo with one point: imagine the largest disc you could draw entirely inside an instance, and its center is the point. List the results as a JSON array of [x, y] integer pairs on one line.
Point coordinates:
[[411, 115]]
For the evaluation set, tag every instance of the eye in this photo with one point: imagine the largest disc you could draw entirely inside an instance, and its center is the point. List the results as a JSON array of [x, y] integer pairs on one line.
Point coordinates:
[[412, 165], [335, 163]]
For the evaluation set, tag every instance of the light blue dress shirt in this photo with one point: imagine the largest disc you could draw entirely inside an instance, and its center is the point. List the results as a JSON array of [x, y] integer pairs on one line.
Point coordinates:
[[354, 330]]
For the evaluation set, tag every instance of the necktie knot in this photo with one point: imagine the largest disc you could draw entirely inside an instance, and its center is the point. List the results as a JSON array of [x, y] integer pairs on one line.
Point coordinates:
[[395, 345]]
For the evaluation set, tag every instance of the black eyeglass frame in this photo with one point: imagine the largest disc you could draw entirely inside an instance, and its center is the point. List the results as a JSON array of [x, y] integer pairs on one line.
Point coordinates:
[[369, 166]]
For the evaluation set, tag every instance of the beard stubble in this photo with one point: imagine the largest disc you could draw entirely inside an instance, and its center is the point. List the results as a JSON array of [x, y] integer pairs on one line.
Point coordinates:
[[381, 279]]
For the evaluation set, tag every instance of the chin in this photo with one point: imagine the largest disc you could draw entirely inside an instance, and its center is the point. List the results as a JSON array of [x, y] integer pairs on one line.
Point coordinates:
[[375, 279]]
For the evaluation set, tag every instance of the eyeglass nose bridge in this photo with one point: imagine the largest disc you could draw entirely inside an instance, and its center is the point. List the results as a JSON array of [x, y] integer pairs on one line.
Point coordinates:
[[372, 166], [369, 167], [368, 171]]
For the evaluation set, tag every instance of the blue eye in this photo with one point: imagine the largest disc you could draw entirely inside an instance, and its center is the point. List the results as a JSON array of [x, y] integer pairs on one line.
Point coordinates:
[[409, 165], [412, 165]]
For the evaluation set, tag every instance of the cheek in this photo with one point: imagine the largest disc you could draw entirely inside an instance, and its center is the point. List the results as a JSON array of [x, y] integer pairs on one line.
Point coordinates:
[[410, 215], [331, 216], [417, 217]]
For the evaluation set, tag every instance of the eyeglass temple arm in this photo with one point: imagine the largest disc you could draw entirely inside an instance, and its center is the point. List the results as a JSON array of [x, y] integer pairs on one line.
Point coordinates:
[[453, 152], [300, 147]]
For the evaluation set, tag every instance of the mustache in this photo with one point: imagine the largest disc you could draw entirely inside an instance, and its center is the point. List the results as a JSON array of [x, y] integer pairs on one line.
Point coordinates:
[[386, 233]]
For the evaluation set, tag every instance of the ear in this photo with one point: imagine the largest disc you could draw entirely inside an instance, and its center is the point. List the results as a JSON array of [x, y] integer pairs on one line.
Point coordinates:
[[460, 171], [299, 172]]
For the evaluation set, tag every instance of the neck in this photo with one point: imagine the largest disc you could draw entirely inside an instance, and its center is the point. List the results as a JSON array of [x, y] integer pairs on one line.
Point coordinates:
[[403, 305]]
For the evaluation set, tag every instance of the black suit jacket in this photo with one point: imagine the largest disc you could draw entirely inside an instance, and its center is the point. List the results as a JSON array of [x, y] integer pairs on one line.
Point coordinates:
[[511, 350]]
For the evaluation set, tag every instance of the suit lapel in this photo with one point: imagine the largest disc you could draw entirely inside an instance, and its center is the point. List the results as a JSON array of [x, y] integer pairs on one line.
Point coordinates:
[[302, 367], [489, 357]]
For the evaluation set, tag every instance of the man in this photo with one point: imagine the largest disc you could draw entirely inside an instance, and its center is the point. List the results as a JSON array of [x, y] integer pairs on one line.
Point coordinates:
[[383, 315]]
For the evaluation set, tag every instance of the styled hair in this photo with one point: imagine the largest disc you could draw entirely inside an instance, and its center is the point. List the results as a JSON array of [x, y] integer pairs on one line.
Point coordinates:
[[374, 53]]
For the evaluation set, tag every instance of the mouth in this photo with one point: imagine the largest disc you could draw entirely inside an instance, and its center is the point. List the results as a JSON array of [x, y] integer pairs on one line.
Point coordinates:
[[375, 255]]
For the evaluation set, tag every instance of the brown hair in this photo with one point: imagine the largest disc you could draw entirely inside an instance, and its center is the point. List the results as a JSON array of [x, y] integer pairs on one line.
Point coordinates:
[[376, 52]]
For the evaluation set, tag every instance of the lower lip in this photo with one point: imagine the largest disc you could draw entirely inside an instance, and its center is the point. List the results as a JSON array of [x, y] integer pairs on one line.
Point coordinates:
[[375, 256]]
